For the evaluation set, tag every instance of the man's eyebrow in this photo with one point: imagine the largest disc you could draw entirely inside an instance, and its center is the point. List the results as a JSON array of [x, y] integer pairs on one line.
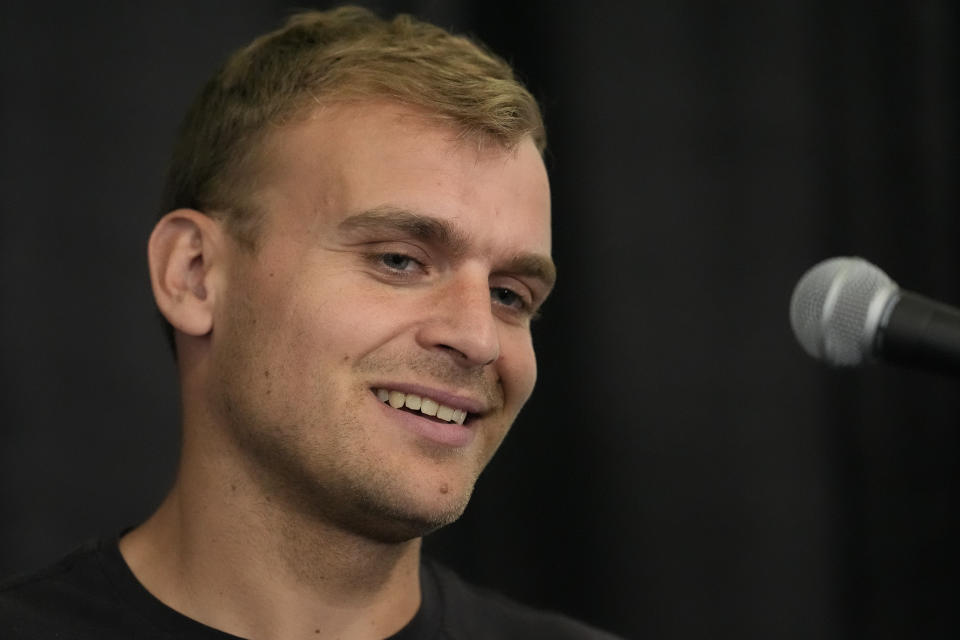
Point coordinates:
[[415, 225], [429, 229], [533, 265]]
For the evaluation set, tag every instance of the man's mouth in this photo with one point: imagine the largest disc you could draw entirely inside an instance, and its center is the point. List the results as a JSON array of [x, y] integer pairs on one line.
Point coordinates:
[[421, 404]]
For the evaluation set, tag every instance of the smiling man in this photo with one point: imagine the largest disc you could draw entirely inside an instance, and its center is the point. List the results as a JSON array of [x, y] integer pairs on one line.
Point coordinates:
[[356, 238]]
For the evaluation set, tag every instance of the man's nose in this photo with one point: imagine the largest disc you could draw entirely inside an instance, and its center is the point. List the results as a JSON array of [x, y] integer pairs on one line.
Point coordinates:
[[461, 322]]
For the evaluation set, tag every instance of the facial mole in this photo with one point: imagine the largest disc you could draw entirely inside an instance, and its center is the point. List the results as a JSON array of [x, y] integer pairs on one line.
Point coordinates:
[[444, 488], [266, 373]]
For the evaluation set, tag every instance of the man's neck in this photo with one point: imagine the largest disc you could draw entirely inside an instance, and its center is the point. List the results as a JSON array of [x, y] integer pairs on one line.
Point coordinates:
[[254, 569]]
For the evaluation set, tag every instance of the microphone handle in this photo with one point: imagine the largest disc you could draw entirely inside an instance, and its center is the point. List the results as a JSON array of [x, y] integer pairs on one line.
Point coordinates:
[[920, 333]]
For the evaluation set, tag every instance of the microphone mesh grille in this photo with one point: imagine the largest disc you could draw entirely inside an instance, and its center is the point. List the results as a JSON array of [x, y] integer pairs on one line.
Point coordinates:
[[833, 310]]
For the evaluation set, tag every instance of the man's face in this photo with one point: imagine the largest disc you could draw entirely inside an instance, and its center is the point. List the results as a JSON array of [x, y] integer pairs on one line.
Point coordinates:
[[394, 261]]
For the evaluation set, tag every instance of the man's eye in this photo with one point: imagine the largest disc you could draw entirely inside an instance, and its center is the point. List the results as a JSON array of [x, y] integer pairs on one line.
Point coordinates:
[[508, 298], [398, 261]]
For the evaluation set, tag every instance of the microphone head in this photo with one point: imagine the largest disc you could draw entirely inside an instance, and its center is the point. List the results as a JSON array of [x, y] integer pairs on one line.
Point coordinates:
[[837, 307]]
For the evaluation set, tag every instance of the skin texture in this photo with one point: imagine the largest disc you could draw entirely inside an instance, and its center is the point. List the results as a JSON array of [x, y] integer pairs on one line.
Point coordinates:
[[391, 254]]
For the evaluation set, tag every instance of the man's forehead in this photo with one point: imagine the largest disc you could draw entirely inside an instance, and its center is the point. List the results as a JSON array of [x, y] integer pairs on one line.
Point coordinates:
[[345, 159], [352, 120]]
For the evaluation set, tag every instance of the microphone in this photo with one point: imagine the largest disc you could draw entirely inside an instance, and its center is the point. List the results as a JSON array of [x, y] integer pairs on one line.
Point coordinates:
[[846, 311]]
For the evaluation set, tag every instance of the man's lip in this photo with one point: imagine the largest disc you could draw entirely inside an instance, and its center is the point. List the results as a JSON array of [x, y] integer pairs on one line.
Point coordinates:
[[471, 404]]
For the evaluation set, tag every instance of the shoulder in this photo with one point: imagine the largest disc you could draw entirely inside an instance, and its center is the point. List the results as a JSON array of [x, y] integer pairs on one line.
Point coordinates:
[[60, 582], [71, 598], [474, 612]]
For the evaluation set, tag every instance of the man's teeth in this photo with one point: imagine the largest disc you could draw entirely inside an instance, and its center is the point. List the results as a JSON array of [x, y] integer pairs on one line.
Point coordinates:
[[425, 406]]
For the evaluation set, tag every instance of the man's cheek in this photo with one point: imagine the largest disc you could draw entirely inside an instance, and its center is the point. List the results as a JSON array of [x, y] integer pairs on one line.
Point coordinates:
[[519, 373]]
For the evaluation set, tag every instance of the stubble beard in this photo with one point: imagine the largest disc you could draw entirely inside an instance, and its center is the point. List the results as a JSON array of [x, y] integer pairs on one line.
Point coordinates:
[[308, 452], [329, 474], [331, 486]]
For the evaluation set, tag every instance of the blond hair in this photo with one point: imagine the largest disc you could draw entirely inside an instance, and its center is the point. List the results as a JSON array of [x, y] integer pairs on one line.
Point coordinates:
[[344, 54]]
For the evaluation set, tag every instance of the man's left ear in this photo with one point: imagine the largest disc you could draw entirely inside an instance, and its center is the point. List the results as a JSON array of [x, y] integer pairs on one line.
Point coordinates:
[[185, 250]]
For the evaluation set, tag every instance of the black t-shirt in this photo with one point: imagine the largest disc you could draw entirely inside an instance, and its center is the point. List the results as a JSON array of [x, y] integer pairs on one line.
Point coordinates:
[[92, 595]]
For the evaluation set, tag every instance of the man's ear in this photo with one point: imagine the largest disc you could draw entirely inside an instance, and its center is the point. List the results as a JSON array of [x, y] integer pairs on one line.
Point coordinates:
[[183, 250]]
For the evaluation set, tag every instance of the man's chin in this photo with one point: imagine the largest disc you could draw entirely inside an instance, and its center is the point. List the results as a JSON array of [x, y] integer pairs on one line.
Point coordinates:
[[393, 525]]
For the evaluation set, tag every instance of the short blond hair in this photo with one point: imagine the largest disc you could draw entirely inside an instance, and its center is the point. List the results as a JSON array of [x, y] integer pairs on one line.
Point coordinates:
[[347, 53]]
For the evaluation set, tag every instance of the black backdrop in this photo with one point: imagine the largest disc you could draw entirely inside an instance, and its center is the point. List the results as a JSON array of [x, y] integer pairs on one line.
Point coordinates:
[[683, 470]]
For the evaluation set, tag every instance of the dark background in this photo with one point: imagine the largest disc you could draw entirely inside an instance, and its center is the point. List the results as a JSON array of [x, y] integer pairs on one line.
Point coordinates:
[[684, 470]]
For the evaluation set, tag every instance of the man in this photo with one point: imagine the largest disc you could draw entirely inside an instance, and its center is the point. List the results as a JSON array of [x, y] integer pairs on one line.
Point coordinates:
[[356, 239]]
